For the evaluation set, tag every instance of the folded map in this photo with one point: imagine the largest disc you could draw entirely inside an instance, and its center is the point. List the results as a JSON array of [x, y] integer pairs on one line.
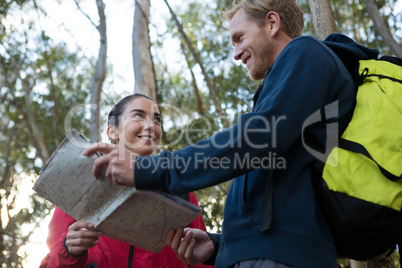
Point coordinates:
[[137, 217]]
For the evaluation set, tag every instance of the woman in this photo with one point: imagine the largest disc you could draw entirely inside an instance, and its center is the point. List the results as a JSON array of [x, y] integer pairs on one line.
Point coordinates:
[[135, 123]]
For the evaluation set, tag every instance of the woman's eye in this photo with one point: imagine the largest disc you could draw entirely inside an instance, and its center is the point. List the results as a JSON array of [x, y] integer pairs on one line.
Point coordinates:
[[158, 120], [137, 116]]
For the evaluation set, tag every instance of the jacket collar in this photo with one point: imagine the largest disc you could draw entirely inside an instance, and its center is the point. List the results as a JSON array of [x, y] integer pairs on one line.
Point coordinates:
[[258, 92]]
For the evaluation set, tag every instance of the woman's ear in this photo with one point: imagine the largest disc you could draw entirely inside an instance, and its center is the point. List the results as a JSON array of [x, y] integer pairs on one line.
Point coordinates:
[[113, 133]]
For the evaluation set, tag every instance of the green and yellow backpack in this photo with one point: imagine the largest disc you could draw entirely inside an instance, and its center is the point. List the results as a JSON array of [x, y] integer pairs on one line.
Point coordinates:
[[359, 187]]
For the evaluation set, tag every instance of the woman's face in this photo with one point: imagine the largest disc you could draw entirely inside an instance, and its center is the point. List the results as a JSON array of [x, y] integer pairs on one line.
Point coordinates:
[[140, 128]]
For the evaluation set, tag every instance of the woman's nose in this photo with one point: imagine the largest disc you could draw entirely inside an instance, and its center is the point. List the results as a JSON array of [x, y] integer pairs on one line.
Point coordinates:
[[149, 124]]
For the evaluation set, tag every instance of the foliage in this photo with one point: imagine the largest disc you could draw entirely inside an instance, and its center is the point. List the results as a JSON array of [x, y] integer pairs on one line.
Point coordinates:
[[40, 82]]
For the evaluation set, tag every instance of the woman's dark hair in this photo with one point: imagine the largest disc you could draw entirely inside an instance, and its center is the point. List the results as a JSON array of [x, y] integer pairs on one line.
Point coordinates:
[[118, 109]]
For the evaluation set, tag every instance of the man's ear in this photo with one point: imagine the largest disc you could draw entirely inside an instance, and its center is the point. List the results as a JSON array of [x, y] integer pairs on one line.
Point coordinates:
[[273, 21], [113, 132]]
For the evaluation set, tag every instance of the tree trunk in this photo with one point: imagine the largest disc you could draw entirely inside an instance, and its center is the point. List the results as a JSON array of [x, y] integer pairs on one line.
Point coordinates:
[[99, 75], [37, 136], [100, 72], [211, 88], [142, 60], [52, 91], [357, 264], [381, 262], [381, 28], [323, 18]]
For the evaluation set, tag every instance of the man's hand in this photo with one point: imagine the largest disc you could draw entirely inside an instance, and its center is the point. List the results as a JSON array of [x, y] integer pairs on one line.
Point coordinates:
[[192, 246], [80, 237], [118, 160]]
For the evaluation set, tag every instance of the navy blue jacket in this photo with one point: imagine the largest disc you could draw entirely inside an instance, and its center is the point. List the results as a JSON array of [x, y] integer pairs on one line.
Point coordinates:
[[306, 94]]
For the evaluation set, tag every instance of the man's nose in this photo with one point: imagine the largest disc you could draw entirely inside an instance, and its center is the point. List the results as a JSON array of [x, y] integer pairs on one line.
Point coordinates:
[[238, 52]]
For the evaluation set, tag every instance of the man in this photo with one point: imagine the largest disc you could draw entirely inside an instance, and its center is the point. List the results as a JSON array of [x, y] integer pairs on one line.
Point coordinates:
[[271, 218]]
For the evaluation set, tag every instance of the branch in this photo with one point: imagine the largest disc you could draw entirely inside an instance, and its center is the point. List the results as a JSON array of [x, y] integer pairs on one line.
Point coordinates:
[[197, 58], [25, 239], [381, 28], [33, 133], [9, 165], [198, 99], [223, 189], [86, 15], [52, 89], [32, 122]]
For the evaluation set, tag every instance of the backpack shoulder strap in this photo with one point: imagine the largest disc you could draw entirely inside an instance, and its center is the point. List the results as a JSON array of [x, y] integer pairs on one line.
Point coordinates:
[[358, 148], [392, 59]]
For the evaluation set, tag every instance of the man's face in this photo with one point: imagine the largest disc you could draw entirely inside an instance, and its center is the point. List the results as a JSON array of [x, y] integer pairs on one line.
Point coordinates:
[[252, 44]]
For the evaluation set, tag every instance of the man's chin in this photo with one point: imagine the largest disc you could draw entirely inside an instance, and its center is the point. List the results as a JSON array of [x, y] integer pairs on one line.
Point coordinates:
[[255, 75]]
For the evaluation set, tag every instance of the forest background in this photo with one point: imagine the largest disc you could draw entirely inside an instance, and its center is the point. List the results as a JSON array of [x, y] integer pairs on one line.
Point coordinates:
[[63, 64]]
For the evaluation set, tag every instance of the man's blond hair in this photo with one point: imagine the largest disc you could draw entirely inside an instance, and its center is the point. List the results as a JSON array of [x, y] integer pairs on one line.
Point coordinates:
[[289, 12]]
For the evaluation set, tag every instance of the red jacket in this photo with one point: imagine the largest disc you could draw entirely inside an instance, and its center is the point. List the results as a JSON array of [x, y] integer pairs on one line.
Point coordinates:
[[108, 252]]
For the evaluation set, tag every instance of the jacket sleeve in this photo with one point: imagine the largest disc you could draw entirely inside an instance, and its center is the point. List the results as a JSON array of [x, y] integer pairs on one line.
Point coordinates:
[[58, 256], [197, 223]]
